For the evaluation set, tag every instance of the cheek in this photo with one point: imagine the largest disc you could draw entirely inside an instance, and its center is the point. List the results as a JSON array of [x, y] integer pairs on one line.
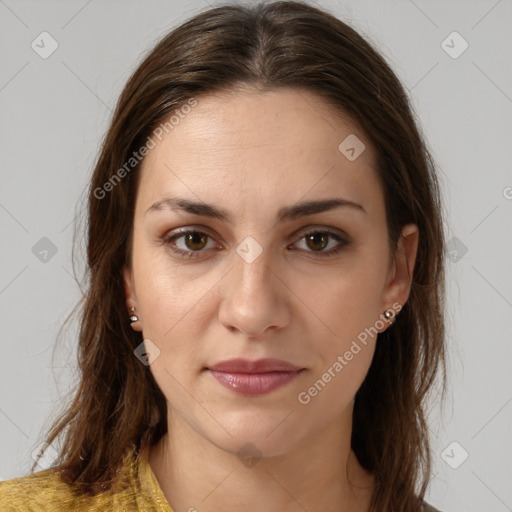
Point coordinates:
[[162, 287], [174, 312], [348, 308], [170, 304], [346, 304], [174, 318], [344, 301], [330, 391]]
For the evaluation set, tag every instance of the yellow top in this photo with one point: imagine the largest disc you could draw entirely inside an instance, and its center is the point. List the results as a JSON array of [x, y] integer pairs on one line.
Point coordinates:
[[44, 491]]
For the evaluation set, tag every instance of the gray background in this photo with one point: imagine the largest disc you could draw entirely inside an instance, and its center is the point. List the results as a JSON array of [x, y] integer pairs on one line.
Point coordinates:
[[54, 111]]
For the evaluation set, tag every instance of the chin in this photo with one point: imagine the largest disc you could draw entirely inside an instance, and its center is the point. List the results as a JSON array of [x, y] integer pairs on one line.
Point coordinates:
[[266, 437], [255, 446]]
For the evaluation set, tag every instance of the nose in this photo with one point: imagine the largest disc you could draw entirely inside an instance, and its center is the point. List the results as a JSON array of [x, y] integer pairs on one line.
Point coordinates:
[[254, 298]]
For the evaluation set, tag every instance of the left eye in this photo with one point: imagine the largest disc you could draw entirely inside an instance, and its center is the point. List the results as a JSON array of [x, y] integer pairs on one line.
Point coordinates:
[[318, 241]]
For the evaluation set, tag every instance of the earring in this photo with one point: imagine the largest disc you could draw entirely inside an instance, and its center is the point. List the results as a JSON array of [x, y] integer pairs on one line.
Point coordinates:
[[135, 321], [390, 317], [133, 318]]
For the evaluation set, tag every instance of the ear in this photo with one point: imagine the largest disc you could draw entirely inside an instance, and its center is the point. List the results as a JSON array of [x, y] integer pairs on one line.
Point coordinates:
[[399, 282], [129, 288]]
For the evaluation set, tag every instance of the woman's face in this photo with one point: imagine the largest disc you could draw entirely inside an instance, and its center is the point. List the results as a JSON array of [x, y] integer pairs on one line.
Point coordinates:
[[255, 281]]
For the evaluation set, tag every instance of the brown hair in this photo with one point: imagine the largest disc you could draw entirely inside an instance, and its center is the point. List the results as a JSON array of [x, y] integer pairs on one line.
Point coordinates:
[[267, 46]]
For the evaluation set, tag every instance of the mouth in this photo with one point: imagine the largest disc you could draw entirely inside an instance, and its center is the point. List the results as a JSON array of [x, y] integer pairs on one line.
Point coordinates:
[[254, 377]]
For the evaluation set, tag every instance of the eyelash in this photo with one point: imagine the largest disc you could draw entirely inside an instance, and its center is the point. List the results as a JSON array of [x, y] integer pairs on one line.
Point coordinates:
[[169, 238]]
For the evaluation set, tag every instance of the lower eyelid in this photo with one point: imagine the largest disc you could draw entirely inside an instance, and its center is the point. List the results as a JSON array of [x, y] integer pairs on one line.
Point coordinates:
[[333, 251]]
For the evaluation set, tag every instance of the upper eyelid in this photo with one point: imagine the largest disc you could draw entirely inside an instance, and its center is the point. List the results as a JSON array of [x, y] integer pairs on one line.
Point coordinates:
[[206, 230]]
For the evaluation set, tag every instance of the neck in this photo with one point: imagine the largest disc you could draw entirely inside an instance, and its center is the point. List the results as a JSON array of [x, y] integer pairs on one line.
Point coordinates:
[[320, 474]]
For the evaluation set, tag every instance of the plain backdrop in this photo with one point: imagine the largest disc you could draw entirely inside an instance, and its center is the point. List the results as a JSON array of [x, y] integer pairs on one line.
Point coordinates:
[[454, 57]]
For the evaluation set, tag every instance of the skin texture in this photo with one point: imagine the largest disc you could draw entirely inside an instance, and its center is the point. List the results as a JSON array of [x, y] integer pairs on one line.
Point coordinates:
[[253, 153]]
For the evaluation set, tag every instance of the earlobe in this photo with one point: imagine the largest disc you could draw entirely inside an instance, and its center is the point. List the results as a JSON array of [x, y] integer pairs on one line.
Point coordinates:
[[131, 299], [135, 321]]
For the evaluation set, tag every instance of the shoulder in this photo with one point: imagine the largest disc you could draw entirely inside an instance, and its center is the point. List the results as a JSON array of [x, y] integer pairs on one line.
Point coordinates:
[[46, 491], [43, 491]]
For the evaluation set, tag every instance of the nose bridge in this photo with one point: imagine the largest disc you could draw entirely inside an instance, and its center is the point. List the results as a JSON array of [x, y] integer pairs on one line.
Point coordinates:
[[252, 271], [252, 300]]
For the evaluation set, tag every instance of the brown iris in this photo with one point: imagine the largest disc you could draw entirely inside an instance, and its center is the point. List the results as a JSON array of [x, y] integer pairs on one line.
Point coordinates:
[[317, 241], [196, 241]]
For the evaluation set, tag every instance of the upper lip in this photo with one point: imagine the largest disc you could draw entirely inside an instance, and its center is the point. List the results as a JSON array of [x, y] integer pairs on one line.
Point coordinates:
[[258, 366]]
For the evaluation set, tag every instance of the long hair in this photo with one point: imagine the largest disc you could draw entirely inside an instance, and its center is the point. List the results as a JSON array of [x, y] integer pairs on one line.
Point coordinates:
[[267, 46]]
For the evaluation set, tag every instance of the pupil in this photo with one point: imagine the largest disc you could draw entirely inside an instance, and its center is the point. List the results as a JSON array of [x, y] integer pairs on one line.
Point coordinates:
[[196, 238], [315, 240]]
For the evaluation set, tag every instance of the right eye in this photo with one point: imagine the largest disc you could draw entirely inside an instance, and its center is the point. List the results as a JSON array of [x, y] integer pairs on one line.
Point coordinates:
[[187, 242]]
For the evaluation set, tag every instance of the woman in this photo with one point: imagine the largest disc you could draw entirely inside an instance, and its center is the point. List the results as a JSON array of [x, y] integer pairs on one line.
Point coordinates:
[[264, 313]]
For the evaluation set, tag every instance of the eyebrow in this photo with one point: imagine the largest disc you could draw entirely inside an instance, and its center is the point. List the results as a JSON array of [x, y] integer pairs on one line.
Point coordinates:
[[293, 212]]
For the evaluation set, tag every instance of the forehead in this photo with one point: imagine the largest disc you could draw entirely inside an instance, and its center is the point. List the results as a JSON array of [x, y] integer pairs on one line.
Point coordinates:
[[277, 145]]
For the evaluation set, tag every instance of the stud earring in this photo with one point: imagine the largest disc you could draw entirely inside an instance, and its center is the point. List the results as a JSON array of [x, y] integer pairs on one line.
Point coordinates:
[[135, 321], [133, 318], [390, 317]]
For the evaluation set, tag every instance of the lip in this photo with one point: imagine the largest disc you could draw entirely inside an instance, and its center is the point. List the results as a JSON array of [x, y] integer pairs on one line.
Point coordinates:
[[259, 366], [254, 377]]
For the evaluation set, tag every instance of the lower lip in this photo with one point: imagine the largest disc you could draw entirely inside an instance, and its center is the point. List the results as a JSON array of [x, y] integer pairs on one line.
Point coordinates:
[[254, 383]]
